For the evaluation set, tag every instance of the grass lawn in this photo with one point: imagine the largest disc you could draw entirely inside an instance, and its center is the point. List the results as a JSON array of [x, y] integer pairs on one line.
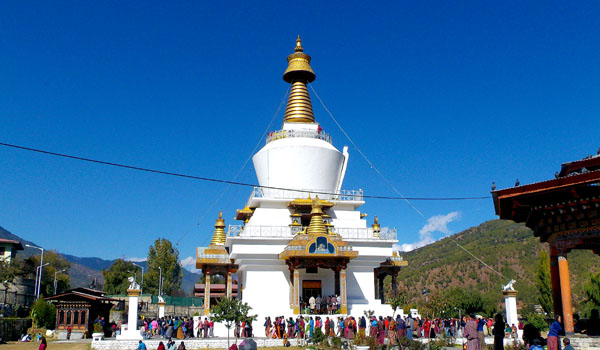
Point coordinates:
[[51, 346]]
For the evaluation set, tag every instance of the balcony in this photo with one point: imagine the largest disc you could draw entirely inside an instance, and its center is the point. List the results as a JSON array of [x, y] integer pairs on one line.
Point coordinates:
[[343, 195], [312, 134], [289, 232]]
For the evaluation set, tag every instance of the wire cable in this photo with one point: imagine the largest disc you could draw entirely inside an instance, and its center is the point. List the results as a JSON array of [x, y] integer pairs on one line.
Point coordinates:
[[208, 179], [260, 140], [389, 183]]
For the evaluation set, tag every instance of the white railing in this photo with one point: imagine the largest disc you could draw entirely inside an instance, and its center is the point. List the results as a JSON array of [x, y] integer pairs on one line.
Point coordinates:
[[259, 231], [283, 134], [343, 195], [388, 233], [289, 232]]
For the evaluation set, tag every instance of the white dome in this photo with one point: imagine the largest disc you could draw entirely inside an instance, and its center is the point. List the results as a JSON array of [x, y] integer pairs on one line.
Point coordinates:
[[300, 163]]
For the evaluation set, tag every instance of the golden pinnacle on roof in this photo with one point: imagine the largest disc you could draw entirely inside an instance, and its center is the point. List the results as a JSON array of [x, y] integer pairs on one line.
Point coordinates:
[[299, 73], [317, 225], [376, 227], [219, 234]]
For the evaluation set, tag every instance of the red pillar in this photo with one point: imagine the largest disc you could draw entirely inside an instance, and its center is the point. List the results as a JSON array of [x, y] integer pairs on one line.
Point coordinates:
[[565, 291], [556, 297]]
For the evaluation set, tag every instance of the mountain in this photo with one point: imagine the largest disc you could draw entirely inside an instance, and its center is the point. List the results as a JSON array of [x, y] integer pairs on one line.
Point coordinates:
[[84, 270], [507, 247]]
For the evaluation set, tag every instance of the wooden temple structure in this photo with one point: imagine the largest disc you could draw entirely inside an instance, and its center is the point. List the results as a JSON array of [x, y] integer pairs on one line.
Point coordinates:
[[79, 307], [215, 260], [563, 212]]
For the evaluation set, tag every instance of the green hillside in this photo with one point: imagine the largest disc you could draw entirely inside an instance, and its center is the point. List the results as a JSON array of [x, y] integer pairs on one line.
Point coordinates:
[[507, 247]]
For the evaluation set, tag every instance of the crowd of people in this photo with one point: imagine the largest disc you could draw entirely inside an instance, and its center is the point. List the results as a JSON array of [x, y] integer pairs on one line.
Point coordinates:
[[382, 328], [386, 330], [390, 330], [325, 305]]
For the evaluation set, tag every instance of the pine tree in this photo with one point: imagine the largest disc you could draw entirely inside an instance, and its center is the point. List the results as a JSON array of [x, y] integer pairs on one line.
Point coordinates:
[[115, 277], [543, 283], [162, 254]]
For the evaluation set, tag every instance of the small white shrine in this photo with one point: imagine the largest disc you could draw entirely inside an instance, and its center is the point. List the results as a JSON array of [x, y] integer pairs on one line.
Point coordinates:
[[301, 234]]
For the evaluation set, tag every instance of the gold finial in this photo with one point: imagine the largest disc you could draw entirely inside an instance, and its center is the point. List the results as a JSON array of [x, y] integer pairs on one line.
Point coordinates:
[[376, 227], [298, 45], [317, 225], [219, 237], [299, 73]]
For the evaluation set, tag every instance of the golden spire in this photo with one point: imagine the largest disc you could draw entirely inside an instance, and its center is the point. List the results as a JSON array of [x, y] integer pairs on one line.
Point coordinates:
[[219, 235], [299, 73], [317, 225], [376, 227]]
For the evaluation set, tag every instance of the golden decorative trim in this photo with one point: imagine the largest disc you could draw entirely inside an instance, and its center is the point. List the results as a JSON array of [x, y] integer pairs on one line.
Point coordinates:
[[219, 237], [299, 73], [376, 227], [510, 293], [133, 292]]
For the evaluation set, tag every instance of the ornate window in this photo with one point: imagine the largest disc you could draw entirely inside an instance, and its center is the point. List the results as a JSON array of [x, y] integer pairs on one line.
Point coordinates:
[[321, 246], [61, 317], [76, 317]]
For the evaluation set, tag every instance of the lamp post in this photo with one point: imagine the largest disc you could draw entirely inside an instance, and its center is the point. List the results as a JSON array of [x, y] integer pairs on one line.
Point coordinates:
[[159, 281], [55, 272], [38, 273], [142, 282], [38, 278]]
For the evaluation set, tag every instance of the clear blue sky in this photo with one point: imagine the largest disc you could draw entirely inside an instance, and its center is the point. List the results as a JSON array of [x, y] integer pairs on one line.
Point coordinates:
[[443, 97]]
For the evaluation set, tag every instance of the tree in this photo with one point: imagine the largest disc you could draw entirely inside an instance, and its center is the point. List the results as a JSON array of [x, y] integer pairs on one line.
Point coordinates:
[[543, 283], [7, 275], [43, 314], [231, 311], [592, 291], [396, 298], [162, 254], [115, 277], [56, 263]]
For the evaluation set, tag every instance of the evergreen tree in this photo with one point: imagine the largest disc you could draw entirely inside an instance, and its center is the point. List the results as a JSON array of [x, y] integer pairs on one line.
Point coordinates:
[[543, 283], [162, 254], [115, 277], [592, 291]]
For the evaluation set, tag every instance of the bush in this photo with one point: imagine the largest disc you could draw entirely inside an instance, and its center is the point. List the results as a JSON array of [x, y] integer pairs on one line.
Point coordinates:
[[372, 343], [43, 314], [537, 321], [336, 342], [318, 336]]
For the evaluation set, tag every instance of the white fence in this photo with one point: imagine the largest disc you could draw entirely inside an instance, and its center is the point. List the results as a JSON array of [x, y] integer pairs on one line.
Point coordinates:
[[289, 232]]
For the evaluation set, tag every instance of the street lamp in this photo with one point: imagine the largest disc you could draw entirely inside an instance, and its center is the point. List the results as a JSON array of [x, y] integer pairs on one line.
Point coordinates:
[[55, 272], [38, 279], [159, 281], [38, 273], [142, 282]]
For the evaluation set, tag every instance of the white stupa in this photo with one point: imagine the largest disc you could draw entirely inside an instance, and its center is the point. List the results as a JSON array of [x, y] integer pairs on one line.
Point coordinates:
[[302, 235]]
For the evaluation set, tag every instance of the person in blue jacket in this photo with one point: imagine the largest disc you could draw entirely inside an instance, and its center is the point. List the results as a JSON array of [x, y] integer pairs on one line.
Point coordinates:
[[556, 330]]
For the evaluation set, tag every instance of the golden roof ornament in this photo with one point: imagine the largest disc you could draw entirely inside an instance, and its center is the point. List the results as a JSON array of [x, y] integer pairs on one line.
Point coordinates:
[[219, 237], [299, 73], [376, 227], [317, 225]]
